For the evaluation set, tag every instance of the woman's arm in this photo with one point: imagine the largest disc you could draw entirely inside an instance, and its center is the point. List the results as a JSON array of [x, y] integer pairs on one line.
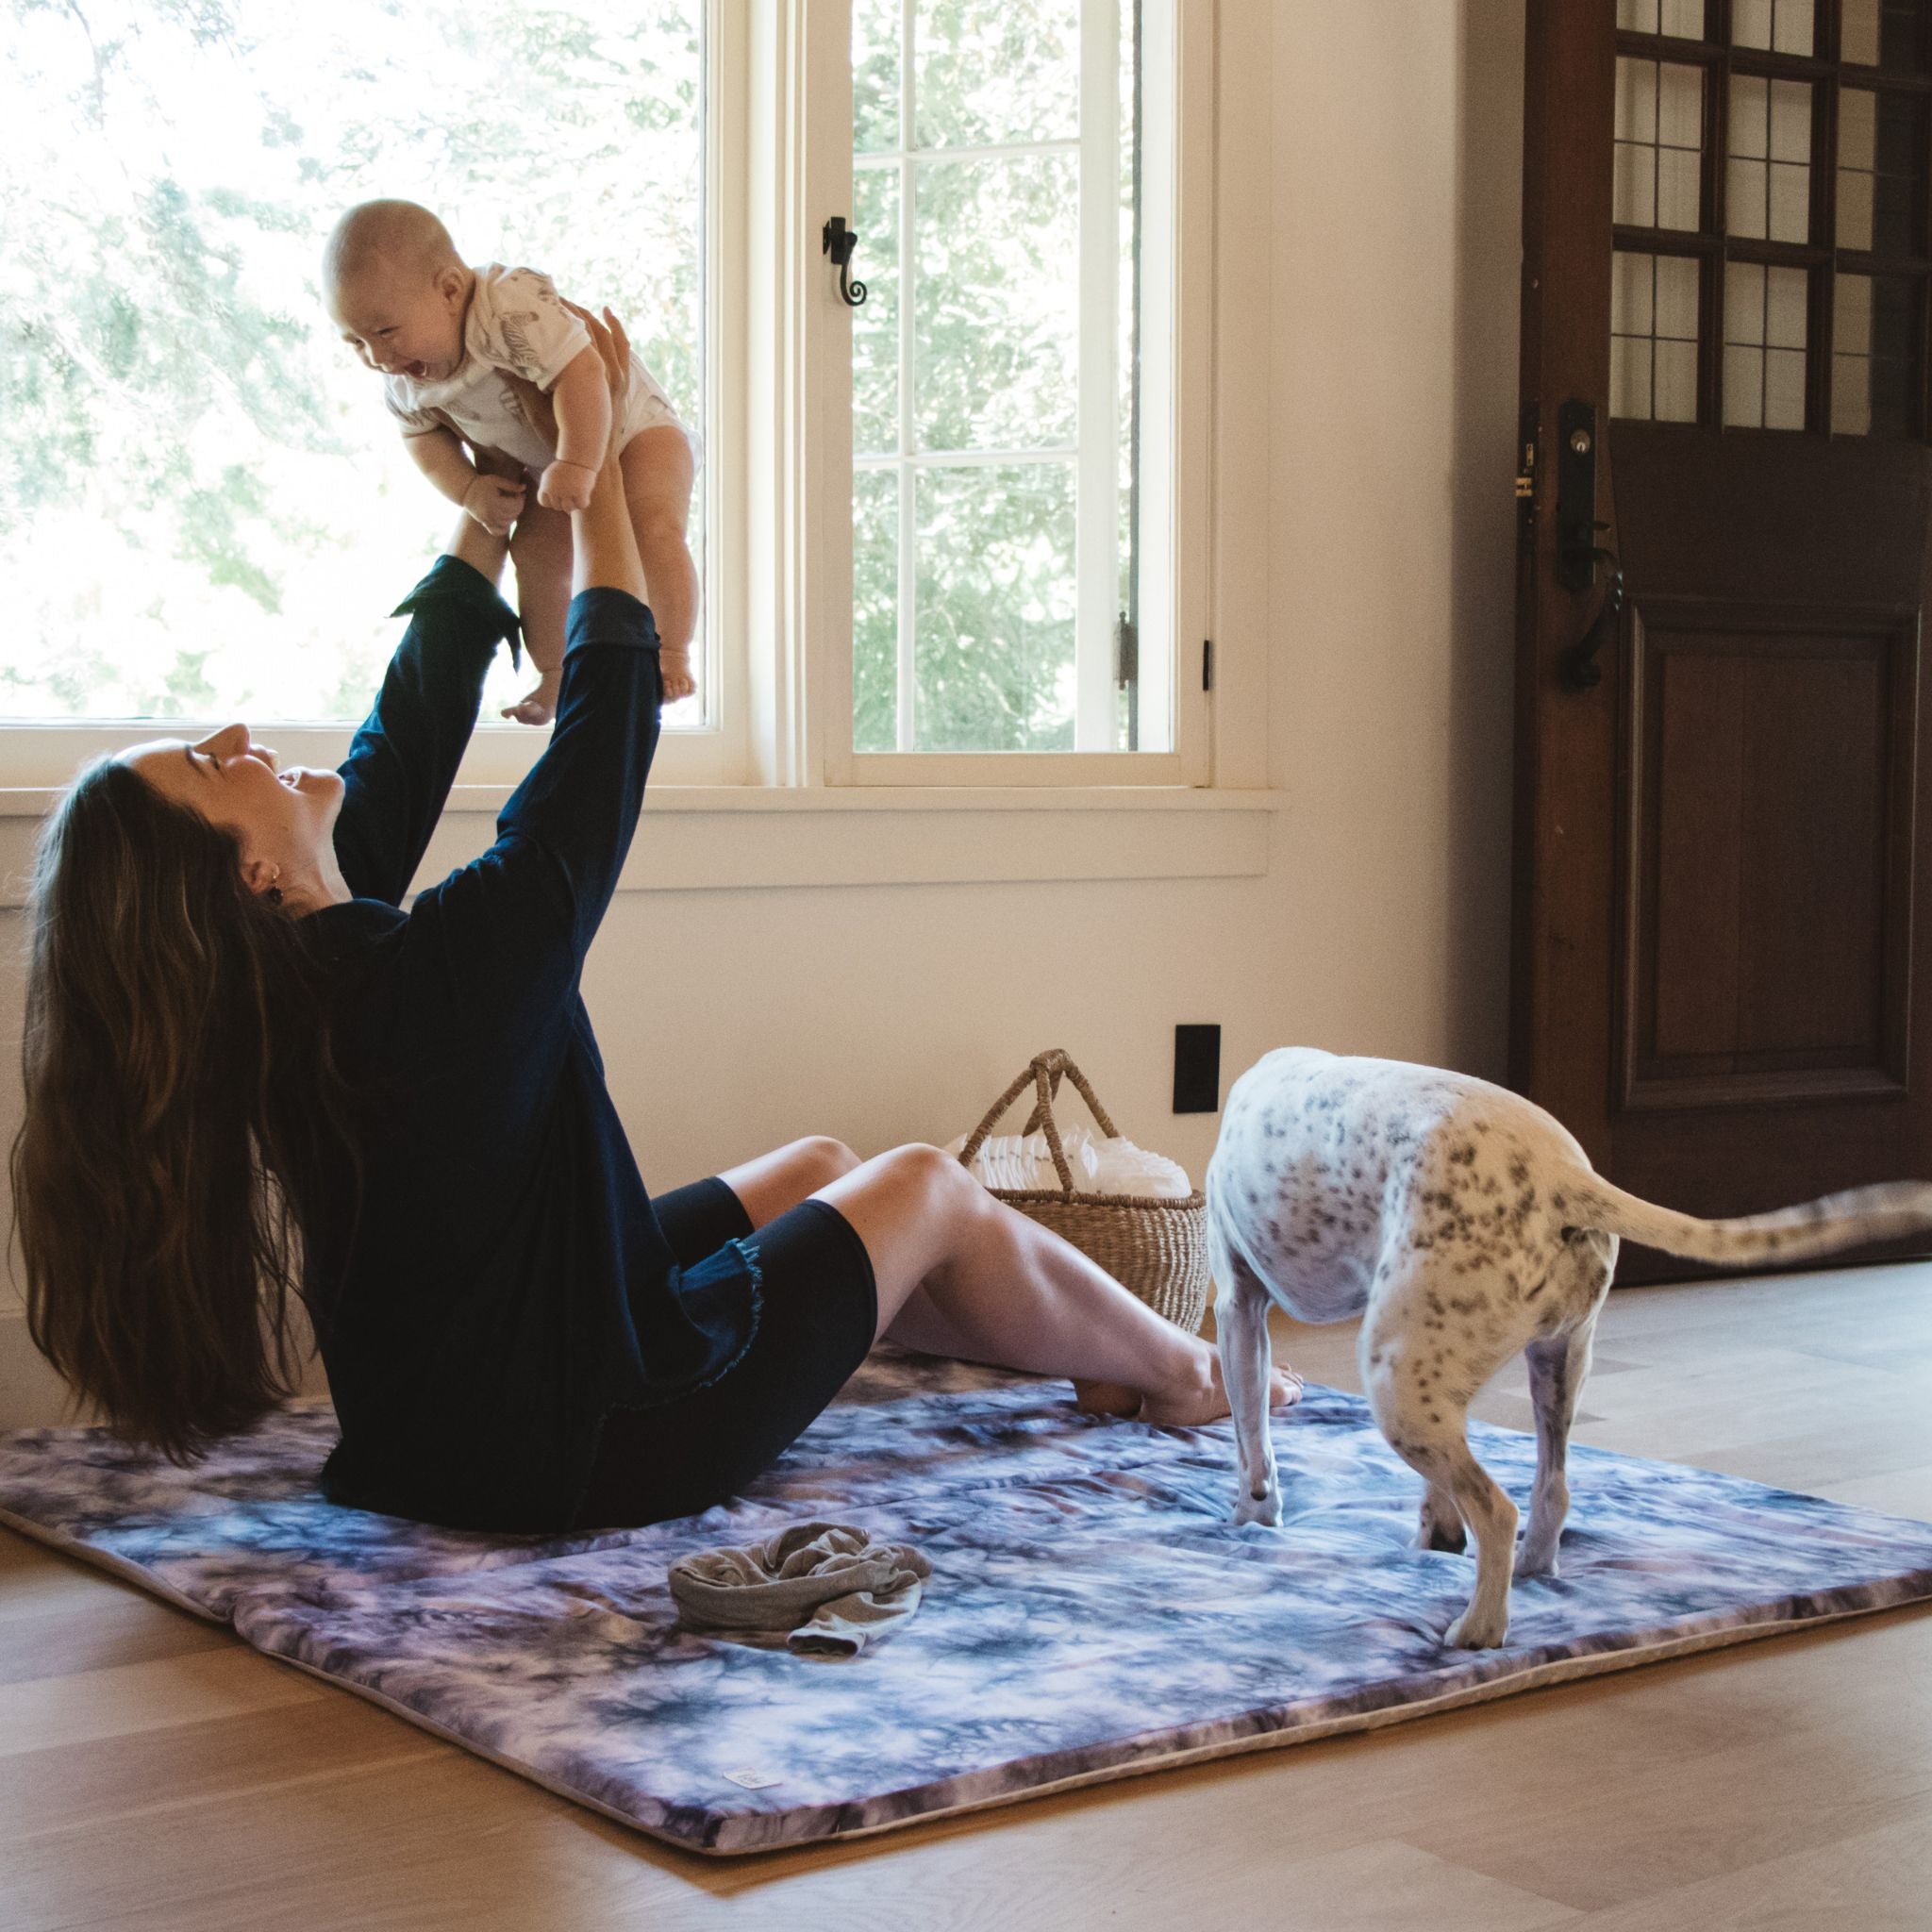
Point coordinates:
[[502, 940], [403, 758]]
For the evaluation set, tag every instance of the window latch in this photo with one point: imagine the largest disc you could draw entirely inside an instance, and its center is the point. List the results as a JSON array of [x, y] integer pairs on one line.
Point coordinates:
[[837, 240]]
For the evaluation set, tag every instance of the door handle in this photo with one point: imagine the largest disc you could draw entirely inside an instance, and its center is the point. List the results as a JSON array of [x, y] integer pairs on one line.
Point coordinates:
[[1579, 553]]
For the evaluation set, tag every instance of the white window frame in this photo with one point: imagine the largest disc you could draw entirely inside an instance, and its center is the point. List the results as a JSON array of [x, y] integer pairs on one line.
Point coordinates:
[[36, 756], [778, 474], [1176, 413]]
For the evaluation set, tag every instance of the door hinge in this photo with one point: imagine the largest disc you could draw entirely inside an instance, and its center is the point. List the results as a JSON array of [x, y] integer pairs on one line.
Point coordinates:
[[1206, 663]]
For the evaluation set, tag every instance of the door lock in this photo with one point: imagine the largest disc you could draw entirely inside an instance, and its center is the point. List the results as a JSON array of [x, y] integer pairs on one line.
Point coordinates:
[[1577, 524], [1579, 553]]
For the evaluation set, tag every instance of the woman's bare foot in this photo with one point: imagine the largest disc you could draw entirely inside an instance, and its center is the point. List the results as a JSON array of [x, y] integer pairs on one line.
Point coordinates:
[[1204, 1402], [537, 706]]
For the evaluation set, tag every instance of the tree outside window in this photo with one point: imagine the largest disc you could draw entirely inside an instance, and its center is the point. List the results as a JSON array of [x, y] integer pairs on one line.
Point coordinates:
[[204, 510]]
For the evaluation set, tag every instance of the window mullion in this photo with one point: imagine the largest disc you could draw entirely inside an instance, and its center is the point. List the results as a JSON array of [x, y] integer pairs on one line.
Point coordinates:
[[1095, 542], [905, 725]]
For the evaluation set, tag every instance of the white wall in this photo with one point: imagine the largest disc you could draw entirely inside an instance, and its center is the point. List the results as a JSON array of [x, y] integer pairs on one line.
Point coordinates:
[[1367, 247]]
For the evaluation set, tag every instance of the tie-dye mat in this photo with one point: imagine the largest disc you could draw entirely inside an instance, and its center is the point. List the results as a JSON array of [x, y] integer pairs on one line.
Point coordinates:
[[1093, 1612]]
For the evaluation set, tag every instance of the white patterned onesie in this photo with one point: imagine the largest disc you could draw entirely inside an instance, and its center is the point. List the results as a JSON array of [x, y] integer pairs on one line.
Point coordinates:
[[517, 326]]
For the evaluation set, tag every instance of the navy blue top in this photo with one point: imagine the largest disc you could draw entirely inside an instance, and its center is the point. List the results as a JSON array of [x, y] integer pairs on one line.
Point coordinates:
[[507, 1283]]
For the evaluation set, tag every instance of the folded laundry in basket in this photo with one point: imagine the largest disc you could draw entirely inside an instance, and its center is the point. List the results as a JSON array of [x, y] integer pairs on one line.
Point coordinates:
[[826, 1588], [1110, 1164]]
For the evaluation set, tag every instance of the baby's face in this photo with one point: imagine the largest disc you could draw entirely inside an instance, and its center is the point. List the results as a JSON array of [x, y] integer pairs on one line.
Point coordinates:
[[403, 325]]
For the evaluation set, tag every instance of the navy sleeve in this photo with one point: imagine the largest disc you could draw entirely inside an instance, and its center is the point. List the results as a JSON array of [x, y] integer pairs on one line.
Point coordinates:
[[507, 933], [402, 760]]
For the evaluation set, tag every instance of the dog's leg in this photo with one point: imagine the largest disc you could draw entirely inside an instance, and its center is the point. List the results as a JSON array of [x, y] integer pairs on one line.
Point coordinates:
[[1423, 1413], [1559, 1367], [1441, 1527], [1241, 1327]]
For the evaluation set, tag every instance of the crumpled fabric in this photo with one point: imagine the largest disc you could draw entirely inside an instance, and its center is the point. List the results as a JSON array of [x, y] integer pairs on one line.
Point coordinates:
[[827, 1589]]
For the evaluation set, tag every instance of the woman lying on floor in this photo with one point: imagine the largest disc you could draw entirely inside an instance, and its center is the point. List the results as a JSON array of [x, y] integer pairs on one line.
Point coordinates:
[[248, 1069]]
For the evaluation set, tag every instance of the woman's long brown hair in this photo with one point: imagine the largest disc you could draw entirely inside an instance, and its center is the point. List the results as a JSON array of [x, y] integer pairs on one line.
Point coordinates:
[[189, 1143]]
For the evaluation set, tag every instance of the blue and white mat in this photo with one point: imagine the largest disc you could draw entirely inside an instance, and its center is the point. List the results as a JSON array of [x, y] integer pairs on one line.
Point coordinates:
[[1093, 1611]]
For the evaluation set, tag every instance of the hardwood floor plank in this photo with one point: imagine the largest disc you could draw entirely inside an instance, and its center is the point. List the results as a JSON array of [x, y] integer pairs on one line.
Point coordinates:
[[1874, 1882], [35, 1580], [63, 1642], [1650, 1828], [83, 1787], [126, 1698]]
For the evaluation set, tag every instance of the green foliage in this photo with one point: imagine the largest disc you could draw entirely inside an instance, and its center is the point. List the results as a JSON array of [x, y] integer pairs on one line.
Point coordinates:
[[190, 452], [993, 344]]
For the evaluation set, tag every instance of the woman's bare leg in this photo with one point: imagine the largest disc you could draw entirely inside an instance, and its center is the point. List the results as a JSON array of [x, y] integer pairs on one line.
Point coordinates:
[[540, 554], [962, 1274], [782, 1180]]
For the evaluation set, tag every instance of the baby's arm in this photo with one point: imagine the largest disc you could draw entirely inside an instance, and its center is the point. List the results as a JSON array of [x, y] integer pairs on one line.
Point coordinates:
[[495, 502], [580, 400]]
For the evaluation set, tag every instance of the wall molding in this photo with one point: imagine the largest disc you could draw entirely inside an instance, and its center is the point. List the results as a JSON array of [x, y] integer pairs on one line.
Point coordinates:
[[730, 837]]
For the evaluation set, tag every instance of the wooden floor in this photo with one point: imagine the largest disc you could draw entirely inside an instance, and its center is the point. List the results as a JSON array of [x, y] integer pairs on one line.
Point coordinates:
[[155, 1773]]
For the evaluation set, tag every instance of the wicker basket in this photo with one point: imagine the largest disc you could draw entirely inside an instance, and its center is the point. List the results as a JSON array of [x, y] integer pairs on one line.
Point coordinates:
[[1157, 1249]]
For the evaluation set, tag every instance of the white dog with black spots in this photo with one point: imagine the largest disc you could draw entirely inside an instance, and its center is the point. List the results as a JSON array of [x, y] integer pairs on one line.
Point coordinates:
[[1464, 1224]]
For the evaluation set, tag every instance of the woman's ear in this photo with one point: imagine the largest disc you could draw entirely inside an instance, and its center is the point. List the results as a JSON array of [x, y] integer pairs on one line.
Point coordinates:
[[258, 874]]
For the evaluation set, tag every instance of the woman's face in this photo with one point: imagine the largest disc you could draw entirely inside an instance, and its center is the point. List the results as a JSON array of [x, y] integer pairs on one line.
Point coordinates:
[[283, 819]]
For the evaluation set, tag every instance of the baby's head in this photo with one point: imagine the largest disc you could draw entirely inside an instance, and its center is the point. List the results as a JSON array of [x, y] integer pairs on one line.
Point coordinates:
[[397, 288]]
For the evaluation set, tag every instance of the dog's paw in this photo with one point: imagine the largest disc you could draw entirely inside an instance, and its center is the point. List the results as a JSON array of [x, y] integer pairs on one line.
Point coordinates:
[[1264, 1508], [1533, 1560], [1472, 1631]]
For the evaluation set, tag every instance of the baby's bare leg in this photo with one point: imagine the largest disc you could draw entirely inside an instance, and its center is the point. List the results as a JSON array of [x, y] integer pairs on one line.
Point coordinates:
[[657, 475], [540, 553]]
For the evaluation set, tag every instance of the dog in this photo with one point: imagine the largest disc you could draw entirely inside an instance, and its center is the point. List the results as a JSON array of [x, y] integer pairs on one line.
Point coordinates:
[[1463, 1223]]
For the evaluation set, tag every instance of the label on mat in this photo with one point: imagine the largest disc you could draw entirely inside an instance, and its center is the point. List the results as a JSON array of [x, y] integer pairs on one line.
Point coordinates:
[[752, 1778]]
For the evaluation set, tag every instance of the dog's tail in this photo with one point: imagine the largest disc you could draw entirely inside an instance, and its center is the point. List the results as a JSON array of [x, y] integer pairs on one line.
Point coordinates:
[[1825, 1227]]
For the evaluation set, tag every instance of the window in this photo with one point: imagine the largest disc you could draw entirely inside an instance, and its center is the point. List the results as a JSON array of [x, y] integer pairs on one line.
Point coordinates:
[[1783, 286], [993, 377], [210, 512], [956, 535]]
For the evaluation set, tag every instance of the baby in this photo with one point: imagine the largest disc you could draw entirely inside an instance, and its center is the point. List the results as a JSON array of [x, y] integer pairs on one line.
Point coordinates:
[[481, 356]]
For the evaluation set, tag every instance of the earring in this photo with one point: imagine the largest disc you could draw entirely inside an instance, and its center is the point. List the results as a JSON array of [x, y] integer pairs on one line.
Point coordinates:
[[274, 894]]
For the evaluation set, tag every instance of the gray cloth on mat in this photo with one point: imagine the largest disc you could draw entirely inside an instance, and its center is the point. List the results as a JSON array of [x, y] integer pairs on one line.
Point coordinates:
[[826, 1588]]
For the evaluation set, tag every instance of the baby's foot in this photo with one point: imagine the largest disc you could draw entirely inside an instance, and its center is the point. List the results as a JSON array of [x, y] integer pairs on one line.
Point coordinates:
[[536, 707], [675, 668]]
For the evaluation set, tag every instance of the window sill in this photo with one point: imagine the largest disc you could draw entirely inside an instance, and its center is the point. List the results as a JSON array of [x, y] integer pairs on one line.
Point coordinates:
[[694, 837]]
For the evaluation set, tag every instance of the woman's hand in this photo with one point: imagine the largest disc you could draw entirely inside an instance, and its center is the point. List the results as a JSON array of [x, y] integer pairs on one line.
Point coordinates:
[[495, 502]]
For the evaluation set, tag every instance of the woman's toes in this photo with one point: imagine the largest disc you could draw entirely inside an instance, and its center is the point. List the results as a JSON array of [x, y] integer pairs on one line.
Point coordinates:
[[1107, 1398], [1286, 1387]]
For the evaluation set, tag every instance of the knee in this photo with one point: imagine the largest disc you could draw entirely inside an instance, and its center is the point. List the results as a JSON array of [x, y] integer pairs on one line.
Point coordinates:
[[935, 1175], [661, 534], [821, 1160]]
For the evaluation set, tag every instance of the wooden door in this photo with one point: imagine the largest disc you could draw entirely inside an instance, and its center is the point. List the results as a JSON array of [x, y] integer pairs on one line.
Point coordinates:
[[1722, 889]]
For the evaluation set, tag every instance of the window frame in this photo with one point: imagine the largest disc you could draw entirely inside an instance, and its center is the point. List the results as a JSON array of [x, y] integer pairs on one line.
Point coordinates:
[[1177, 427], [777, 471]]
